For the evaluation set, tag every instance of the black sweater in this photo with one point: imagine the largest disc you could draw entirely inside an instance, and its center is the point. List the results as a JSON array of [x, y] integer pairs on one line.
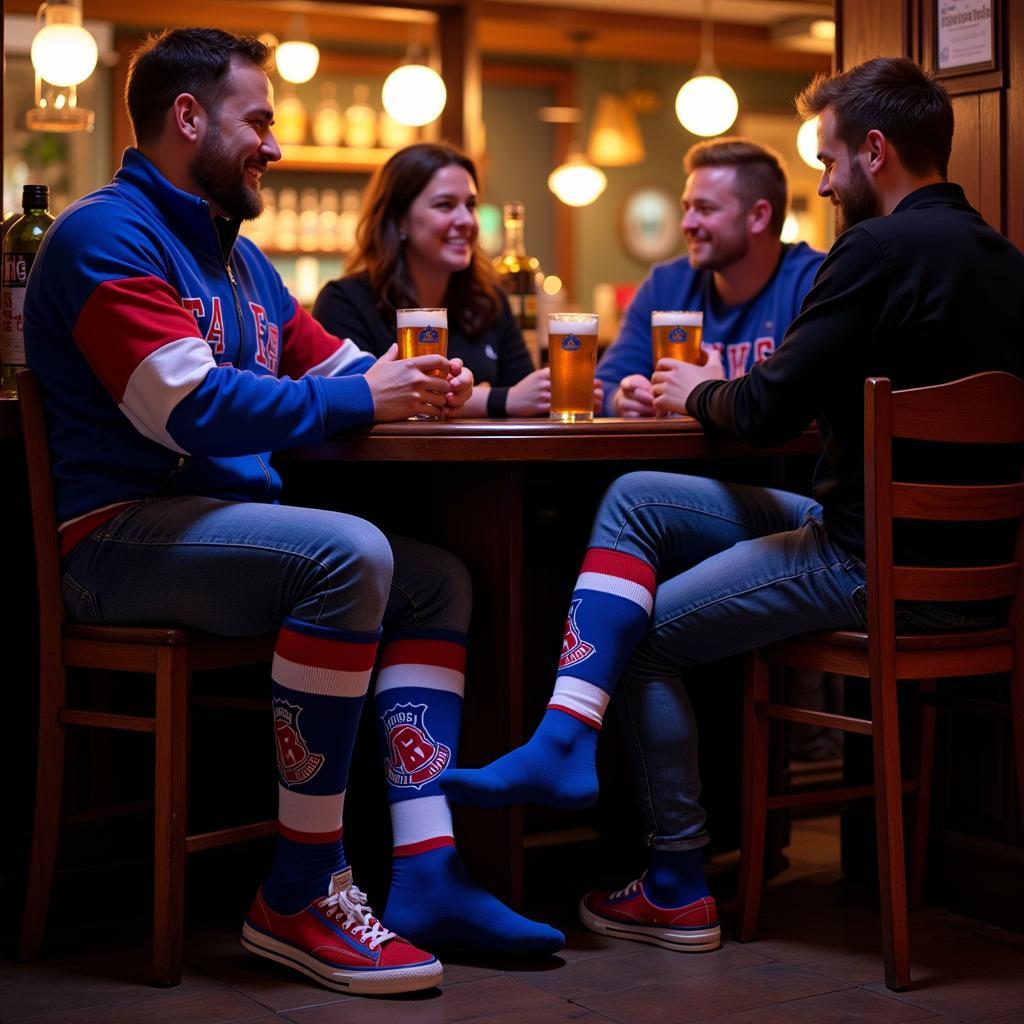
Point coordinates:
[[497, 355], [925, 295]]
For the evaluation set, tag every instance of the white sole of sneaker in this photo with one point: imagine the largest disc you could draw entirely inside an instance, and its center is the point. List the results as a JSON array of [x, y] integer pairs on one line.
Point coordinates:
[[384, 982], [690, 940]]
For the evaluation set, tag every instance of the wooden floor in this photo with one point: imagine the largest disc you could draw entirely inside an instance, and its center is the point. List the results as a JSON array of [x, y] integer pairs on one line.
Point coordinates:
[[817, 962]]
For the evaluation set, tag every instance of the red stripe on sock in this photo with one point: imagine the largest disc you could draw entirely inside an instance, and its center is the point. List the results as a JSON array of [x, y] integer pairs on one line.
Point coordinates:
[[309, 837], [575, 714], [440, 653], [344, 655], [412, 849], [618, 563]]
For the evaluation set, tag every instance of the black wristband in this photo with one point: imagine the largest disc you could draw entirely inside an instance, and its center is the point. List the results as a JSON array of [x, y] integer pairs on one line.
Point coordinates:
[[497, 399]]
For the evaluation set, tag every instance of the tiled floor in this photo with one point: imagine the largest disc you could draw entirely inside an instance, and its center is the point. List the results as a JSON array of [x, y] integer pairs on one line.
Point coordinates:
[[817, 962]]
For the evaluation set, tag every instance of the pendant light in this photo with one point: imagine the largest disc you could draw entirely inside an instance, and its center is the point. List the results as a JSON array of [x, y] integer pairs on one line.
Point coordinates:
[[807, 144], [615, 138], [297, 58], [706, 104], [577, 182], [414, 94], [64, 54]]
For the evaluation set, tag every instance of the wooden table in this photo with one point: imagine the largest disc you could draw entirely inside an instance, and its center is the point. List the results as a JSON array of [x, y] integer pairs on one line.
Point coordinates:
[[480, 518]]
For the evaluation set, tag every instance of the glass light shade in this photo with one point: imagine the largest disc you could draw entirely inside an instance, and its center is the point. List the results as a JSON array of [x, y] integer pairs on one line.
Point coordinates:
[[615, 139], [576, 182], [807, 144], [414, 94], [706, 105], [296, 61], [64, 54]]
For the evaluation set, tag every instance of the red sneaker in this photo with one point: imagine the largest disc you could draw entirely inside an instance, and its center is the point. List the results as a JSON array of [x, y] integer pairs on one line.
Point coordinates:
[[338, 942], [629, 914]]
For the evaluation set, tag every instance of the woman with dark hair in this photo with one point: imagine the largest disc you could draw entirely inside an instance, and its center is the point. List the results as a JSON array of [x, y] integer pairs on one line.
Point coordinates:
[[416, 246]]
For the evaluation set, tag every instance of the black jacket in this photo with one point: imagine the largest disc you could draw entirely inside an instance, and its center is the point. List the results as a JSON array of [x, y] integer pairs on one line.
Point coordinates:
[[925, 295]]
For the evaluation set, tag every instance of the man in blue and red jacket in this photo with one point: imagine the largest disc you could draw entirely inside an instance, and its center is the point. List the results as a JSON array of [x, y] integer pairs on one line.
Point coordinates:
[[173, 361]]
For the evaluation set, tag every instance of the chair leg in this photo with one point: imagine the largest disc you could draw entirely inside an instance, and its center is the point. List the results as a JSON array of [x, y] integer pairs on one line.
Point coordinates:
[[892, 882], [755, 798], [1017, 717], [170, 811], [924, 744], [49, 790]]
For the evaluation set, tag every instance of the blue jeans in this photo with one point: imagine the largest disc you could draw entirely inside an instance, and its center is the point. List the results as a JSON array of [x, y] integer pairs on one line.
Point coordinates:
[[737, 567], [241, 568]]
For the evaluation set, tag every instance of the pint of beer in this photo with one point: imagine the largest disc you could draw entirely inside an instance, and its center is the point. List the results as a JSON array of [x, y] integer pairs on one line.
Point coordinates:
[[424, 332], [572, 352], [676, 334]]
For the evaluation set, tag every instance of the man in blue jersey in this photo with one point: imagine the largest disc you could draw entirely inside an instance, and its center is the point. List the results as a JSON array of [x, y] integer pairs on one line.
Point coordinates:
[[173, 362], [748, 284]]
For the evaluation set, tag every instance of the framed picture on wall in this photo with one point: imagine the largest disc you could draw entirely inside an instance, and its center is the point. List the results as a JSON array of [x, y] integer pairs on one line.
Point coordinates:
[[649, 223], [965, 45]]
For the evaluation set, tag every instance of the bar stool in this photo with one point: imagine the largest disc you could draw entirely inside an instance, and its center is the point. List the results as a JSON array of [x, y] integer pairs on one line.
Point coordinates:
[[986, 408], [171, 656]]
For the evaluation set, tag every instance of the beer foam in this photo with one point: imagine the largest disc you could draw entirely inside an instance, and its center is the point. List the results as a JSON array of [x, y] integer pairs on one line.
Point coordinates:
[[423, 318], [672, 317], [572, 323]]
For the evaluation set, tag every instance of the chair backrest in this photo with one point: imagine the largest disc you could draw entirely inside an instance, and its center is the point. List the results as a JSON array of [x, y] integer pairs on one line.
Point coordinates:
[[44, 524], [984, 409]]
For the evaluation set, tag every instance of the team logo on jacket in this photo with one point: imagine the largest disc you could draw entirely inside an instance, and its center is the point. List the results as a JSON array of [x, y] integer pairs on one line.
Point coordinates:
[[677, 335], [413, 757], [295, 761], [428, 336], [574, 648], [570, 343]]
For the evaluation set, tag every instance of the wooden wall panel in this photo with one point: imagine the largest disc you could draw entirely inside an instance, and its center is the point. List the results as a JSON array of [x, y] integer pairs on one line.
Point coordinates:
[[870, 28], [975, 161]]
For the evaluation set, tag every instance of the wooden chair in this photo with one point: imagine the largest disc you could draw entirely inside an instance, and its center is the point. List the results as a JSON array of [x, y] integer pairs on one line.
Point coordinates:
[[987, 408], [171, 656]]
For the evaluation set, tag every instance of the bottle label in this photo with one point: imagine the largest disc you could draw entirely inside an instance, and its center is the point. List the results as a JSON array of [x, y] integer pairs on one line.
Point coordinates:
[[530, 304], [12, 316]]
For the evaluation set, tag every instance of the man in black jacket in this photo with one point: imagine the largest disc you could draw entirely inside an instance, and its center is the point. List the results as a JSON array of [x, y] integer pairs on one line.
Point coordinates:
[[684, 570]]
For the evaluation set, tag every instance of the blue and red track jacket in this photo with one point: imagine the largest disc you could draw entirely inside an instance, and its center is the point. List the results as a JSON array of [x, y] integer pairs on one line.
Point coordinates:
[[166, 369]]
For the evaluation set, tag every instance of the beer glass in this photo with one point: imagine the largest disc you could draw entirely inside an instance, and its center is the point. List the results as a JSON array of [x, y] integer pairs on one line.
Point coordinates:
[[572, 353], [424, 332], [676, 334]]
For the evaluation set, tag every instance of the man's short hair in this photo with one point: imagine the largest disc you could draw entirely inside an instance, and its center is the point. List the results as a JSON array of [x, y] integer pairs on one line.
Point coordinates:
[[192, 60], [760, 171], [892, 95]]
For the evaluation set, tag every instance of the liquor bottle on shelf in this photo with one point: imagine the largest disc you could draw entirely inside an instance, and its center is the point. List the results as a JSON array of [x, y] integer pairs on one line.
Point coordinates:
[[286, 223], [21, 243], [290, 120], [394, 134], [328, 223], [309, 220], [517, 271], [328, 120], [361, 120], [348, 219]]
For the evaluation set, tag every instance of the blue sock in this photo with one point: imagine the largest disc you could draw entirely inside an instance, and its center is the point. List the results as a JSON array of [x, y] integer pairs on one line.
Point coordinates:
[[607, 617], [320, 680], [675, 878], [432, 900]]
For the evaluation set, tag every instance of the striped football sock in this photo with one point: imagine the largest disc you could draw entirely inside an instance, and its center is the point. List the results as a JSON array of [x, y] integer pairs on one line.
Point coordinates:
[[432, 900], [607, 617], [320, 677]]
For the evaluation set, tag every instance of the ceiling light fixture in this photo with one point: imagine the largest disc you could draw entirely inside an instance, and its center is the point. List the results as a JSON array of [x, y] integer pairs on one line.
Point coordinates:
[[63, 54], [615, 138], [297, 58], [706, 104], [807, 144]]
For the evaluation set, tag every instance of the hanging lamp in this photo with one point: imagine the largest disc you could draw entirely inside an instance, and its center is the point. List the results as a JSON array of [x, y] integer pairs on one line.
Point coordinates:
[[706, 104], [807, 144], [615, 138], [414, 94], [64, 54], [297, 58]]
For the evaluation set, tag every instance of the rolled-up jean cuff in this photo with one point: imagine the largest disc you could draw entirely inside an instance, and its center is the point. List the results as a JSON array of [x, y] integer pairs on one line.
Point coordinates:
[[679, 844]]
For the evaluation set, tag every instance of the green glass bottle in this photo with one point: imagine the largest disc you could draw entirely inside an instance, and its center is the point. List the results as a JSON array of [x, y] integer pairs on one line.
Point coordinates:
[[21, 242], [518, 272]]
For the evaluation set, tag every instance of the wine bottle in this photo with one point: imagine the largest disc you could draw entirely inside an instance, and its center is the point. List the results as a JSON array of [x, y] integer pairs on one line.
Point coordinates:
[[517, 271], [21, 242]]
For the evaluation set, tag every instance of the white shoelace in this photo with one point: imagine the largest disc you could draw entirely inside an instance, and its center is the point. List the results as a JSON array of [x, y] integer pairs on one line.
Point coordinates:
[[629, 889], [358, 917]]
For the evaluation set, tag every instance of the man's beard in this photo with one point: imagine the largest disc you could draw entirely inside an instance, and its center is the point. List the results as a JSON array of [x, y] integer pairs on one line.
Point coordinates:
[[722, 253], [858, 202], [212, 170]]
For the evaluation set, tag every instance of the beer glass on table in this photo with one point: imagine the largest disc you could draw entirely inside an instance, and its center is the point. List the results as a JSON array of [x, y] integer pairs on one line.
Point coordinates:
[[572, 354], [424, 332], [676, 334]]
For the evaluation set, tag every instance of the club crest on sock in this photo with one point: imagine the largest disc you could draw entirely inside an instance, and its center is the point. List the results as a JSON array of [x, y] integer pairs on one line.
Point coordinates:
[[574, 648], [295, 761], [414, 757]]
